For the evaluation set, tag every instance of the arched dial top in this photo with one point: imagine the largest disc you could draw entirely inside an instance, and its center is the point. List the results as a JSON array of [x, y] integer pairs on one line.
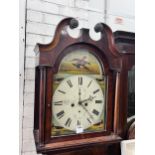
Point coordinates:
[[81, 61], [78, 102]]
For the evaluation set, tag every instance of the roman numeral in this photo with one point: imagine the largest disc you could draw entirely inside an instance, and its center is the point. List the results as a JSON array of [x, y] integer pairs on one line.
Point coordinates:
[[68, 122], [58, 103], [95, 112], [89, 120], [80, 80], [98, 101], [60, 114], [78, 123], [96, 91], [69, 83], [89, 84], [61, 91]]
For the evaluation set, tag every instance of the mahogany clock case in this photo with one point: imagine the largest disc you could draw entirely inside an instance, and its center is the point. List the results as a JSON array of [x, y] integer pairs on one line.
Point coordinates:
[[116, 53]]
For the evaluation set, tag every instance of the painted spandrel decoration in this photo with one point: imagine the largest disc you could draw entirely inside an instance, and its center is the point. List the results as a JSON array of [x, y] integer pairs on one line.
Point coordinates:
[[78, 95]]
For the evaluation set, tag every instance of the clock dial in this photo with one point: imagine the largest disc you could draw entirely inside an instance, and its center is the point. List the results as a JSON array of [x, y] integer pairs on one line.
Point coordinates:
[[78, 102]]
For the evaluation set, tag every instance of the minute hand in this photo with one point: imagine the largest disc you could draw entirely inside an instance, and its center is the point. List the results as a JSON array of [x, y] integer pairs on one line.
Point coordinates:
[[87, 111]]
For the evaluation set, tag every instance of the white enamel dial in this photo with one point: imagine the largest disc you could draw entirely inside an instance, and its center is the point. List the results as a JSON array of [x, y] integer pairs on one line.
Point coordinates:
[[78, 102]]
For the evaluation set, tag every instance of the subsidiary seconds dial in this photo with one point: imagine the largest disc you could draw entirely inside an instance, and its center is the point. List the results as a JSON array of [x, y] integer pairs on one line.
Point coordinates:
[[78, 102]]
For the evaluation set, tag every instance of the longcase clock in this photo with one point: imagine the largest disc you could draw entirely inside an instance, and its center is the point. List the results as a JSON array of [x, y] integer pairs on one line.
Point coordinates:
[[80, 93]]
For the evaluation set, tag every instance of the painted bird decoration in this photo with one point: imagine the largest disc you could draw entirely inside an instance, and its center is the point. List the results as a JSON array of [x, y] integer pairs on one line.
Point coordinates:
[[80, 63]]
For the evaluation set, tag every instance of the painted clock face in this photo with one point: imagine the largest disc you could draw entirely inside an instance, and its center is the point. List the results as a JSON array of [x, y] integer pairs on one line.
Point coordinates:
[[78, 103]]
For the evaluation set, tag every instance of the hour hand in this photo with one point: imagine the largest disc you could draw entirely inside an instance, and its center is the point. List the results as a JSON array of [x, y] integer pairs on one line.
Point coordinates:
[[88, 99]]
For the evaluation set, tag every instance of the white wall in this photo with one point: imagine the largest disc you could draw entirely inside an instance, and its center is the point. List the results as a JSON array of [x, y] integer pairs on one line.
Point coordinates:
[[22, 5], [120, 15], [42, 16]]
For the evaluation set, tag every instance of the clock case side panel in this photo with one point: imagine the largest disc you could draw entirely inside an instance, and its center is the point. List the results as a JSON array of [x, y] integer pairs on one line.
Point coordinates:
[[39, 105], [125, 43]]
